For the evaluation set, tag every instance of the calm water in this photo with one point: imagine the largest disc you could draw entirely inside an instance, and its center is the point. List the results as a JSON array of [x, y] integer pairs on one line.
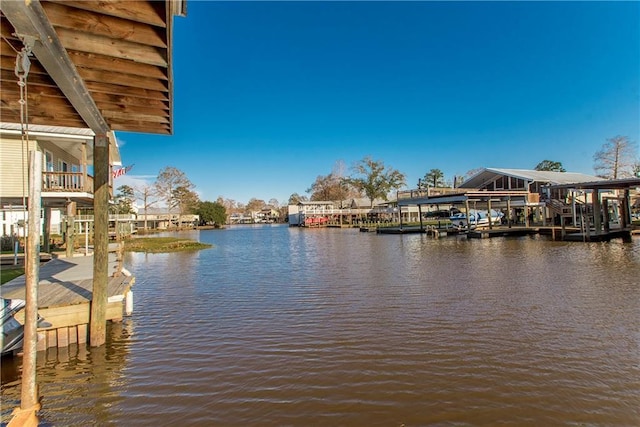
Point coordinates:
[[282, 326]]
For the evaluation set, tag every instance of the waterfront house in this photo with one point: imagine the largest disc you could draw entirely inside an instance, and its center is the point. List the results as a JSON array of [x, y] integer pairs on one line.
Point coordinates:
[[266, 215], [67, 181], [530, 196], [348, 211], [161, 219]]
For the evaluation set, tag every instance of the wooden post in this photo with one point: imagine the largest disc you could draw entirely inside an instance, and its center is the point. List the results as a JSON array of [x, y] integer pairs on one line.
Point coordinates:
[[597, 209], [420, 215], [489, 211], [509, 211], [29, 392], [625, 214], [466, 206], [97, 327], [83, 150], [71, 229], [47, 230]]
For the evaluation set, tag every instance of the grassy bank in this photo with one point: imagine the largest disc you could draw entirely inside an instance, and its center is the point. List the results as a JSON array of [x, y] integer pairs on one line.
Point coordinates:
[[162, 244], [10, 272]]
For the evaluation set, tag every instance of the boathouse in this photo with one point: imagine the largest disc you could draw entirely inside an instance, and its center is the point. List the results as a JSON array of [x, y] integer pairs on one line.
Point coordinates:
[[347, 212], [540, 198]]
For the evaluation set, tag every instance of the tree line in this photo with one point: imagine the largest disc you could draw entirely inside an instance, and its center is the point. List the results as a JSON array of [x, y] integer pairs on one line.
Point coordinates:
[[369, 178]]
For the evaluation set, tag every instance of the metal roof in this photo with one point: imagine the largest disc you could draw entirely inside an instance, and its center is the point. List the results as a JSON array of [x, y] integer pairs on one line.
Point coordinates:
[[489, 174]]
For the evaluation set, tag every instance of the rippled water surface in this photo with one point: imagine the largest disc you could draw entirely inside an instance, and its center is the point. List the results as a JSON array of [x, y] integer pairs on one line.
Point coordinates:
[[284, 326]]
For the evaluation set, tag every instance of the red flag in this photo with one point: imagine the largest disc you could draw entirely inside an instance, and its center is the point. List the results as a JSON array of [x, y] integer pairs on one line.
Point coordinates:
[[121, 171]]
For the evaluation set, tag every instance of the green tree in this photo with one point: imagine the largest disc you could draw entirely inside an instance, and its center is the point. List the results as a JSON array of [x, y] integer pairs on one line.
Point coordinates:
[[550, 165], [124, 199], [212, 213], [185, 201], [616, 159], [374, 179], [434, 178]]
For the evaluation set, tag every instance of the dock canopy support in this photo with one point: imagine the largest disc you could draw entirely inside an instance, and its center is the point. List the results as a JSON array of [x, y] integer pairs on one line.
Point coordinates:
[[98, 326]]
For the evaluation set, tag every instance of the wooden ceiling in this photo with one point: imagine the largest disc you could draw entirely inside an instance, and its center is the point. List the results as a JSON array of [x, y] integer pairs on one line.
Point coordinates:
[[105, 65]]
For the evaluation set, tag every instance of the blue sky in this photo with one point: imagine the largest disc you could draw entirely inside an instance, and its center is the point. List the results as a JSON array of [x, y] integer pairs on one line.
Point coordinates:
[[269, 95]]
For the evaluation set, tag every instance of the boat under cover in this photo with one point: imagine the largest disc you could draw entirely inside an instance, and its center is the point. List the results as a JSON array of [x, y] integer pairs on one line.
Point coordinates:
[[477, 218]]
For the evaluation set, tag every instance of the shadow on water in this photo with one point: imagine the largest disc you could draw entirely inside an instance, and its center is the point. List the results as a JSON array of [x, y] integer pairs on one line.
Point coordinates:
[[67, 376]]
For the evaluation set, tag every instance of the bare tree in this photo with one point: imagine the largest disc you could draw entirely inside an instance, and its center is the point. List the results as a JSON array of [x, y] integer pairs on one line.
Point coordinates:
[[616, 159], [274, 203], [296, 198], [169, 179], [146, 194], [473, 172], [374, 179]]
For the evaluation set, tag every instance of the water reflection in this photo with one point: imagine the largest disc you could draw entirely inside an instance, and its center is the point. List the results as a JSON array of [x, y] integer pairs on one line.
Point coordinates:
[[71, 379], [280, 326]]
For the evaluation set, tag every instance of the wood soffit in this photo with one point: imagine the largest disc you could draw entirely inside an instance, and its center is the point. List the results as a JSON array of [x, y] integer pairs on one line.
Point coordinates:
[[122, 53]]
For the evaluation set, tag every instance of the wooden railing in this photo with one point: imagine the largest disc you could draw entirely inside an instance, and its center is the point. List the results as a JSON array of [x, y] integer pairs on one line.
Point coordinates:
[[67, 181], [428, 192]]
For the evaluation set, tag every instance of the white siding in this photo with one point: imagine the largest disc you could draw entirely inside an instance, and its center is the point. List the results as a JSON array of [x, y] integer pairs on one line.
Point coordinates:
[[13, 167]]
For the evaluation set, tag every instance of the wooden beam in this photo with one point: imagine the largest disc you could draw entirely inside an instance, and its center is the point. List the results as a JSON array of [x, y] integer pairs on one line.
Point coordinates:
[[104, 99], [128, 113], [29, 19], [123, 49], [34, 93], [142, 128], [124, 66], [8, 117], [127, 116], [47, 113], [151, 12], [90, 75], [98, 23], [32, 80], [127, 91]]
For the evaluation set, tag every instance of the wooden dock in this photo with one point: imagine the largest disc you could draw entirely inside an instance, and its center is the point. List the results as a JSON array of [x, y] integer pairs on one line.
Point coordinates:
[[501, 232], [64, 298]]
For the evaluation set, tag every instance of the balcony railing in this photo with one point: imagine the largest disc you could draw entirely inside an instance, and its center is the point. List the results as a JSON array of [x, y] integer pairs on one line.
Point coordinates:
[[67, 182]]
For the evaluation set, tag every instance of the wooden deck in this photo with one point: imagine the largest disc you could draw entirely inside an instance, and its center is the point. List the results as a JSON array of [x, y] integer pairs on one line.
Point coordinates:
[[64, 298]]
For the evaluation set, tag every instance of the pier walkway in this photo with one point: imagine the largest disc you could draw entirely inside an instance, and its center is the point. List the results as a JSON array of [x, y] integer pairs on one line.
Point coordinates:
[[555, 232], [64, 298]]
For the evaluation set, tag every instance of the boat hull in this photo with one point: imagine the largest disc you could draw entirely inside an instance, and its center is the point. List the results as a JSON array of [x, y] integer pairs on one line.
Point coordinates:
[[12, 330], [476, 219]]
